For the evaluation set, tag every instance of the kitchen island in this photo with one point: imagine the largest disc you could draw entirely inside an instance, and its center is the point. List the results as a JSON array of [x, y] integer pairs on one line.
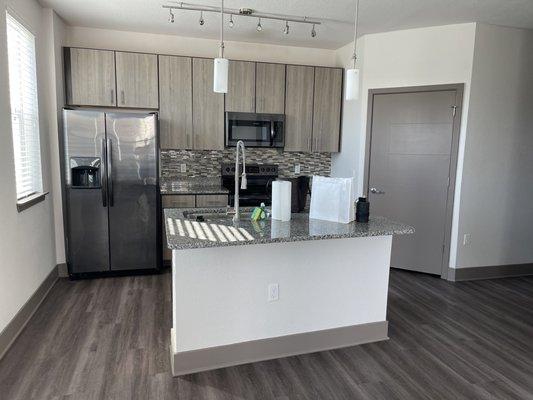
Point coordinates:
[[248, 291]]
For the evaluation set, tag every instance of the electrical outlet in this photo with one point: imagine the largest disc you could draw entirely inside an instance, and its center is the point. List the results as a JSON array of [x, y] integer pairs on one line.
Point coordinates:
[[297, 169], [183, 168], [273, 292], [467, 239]]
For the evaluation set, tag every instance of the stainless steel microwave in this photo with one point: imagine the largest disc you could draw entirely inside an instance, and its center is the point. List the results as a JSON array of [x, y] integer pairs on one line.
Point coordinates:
[[255, 130]]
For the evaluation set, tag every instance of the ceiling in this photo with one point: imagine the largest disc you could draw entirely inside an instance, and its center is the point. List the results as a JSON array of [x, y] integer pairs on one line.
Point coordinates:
[[337, 16]]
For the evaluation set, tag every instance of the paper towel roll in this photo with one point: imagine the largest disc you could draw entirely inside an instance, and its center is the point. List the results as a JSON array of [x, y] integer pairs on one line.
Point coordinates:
[[281, 200]]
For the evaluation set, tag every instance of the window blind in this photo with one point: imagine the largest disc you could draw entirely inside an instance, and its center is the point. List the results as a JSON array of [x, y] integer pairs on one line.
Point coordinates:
[[24, 108]]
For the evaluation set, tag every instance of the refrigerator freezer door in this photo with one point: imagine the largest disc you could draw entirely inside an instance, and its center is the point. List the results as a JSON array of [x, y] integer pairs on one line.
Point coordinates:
[[85, 191], [133, 197]]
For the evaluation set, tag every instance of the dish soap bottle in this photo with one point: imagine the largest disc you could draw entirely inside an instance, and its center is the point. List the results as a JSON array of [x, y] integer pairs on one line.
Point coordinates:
[[259, 213]]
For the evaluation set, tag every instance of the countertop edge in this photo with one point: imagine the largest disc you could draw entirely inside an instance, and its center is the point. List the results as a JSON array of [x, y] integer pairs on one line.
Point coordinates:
[[187, 243], [195, 243]]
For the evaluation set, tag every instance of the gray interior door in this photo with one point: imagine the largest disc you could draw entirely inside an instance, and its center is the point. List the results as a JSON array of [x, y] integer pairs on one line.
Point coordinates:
[[86, 201], [132, 186], [410, 153]]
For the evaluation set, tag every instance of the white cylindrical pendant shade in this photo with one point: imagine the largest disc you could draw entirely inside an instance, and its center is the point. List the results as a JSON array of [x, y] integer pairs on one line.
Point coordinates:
[[352, 84], [220, 78]]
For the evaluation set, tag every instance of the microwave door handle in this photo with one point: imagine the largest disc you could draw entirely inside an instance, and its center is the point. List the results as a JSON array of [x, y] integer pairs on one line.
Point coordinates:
[[272, 133]]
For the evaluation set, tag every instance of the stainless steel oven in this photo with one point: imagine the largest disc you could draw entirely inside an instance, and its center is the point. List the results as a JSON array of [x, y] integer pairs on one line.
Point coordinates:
[[255, 130], [259, 188]]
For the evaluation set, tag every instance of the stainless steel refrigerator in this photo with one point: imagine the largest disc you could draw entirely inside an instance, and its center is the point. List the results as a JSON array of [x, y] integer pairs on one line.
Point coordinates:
[[111, 192]]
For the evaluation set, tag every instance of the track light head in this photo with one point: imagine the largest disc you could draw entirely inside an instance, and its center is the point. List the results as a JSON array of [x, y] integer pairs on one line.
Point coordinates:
[[201, 21], [231, 23], [259, 26], [286, 29], [313, 31], [171, 16]]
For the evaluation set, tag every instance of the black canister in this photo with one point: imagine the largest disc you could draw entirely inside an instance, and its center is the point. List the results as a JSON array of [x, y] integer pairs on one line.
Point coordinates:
[[362, 210]]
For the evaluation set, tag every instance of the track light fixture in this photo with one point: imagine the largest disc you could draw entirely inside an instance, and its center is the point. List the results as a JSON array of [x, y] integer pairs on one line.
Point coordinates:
[[242, 12], [171, 16]]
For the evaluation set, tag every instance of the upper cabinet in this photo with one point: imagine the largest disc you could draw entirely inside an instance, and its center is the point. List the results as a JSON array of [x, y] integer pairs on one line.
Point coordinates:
[[207, 106], [299, 108], [191, 114], [175, 110], [90, 77], [137, 83], [241, 87], [270, 88], [327, 109]]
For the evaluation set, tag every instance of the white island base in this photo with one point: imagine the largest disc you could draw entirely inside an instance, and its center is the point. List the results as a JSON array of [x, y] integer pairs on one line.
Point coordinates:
[[332, 294]]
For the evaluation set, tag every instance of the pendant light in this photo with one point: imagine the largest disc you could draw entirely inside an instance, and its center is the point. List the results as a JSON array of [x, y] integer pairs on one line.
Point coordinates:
[[352, 75], [220, 78]]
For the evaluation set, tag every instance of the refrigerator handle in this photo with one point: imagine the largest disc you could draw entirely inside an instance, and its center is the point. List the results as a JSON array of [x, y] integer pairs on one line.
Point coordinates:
[[103, 175], [110, 173]]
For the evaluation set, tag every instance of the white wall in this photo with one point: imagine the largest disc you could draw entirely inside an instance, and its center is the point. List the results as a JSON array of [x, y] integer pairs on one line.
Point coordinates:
[[218, 301], [27, 246], [187, 46], [346, 163], [55, 36], [414, 57], [497, 190]]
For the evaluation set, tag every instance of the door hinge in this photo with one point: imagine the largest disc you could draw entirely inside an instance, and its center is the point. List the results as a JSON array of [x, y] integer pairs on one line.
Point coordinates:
[[454, 110]]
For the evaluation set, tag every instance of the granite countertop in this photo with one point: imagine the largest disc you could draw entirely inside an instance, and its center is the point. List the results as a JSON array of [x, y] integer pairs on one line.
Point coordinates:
[[191, 187], [219, 230]]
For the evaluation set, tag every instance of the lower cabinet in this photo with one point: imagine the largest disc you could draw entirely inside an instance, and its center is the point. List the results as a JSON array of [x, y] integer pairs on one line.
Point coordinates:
[[188, 201], [211, 200]]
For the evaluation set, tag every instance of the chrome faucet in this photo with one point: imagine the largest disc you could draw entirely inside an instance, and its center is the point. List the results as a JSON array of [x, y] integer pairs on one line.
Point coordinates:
[[244, 184]]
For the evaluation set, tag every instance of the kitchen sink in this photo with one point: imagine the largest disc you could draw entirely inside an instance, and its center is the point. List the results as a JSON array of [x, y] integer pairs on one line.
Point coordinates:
[[214, 217]]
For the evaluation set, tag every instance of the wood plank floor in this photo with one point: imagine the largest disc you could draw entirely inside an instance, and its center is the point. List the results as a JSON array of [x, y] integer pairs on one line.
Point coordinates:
[[109, 339]]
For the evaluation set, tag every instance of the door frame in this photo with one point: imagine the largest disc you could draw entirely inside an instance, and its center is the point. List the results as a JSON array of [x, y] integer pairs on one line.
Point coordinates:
[[452, 173]]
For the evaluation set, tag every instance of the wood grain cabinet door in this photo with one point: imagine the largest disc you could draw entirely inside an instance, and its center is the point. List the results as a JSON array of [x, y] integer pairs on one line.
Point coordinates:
[[241, 87], [175, 108], [327, 109], [207, 108], [270, 88], [299, 108], [90, 77], [137, 83], [211, 200]]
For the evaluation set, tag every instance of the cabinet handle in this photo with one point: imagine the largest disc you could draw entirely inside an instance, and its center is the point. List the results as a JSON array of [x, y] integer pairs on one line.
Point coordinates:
[[112, 96], [123, 97]]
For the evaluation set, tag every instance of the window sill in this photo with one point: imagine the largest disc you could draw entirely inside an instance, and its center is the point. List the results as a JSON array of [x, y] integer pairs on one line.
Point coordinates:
[[27, 202]]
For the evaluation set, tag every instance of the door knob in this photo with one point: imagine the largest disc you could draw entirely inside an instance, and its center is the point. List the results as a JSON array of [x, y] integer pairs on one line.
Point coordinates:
[[376, 191]]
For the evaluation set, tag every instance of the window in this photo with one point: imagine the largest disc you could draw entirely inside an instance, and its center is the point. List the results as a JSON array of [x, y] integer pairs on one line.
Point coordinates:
[[24, 109]]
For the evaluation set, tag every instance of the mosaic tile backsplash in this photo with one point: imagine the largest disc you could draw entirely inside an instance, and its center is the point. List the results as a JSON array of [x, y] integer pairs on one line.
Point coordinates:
[[206, 163]]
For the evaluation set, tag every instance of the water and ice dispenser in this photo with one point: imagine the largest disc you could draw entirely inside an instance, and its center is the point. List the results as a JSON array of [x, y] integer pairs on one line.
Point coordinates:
[[85, 172]]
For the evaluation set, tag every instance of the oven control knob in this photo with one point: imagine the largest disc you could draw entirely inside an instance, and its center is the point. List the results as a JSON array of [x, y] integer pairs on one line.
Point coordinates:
[[227, 169]]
